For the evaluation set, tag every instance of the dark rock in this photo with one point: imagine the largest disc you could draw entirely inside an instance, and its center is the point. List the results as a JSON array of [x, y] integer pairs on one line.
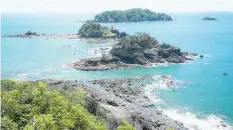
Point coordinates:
[[137, 50], [121, 103], [29, 33], [201, 56], [209, 18], [225, 74], [122, 34]]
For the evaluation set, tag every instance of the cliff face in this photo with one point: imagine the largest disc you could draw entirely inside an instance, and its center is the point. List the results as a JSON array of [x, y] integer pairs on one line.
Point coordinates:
[[131, 15]]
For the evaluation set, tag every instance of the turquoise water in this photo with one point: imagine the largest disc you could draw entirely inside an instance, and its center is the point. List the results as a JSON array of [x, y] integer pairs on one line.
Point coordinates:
[[210, 93]]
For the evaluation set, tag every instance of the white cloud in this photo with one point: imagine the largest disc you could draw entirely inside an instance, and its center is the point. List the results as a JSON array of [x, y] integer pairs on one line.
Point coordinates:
[[94, 6]]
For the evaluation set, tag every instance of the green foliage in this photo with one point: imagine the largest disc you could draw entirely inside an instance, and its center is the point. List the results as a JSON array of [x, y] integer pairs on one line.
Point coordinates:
[[30, 105], [95, 30], [136, 43], [91, 29], [109, 34], [76, 96], [131, 15], [125, 126], [170, 129], [8, 124]]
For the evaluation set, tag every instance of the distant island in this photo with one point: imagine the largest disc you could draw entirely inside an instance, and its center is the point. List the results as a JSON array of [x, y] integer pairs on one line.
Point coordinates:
[[209, 18], [131, 15]]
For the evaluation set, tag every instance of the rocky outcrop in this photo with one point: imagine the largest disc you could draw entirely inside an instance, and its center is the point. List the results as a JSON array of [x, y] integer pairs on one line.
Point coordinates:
[[95, 30], [121, 99], [209, 18], [133, 51], [29, 33]]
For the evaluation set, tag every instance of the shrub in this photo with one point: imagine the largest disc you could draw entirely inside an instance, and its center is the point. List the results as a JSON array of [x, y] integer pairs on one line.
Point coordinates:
[[125, 126], [30, 105]]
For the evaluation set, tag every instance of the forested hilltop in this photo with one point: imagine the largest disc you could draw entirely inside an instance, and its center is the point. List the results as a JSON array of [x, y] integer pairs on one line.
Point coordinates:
[[131, 15]]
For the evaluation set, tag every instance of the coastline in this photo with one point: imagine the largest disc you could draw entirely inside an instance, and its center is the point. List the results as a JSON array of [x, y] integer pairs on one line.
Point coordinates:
[[123, 99], [191, 118], [133, 99], [65, 36]]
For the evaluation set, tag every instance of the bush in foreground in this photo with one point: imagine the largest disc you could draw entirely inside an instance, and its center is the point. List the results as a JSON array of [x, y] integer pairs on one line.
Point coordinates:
[[29, 106]]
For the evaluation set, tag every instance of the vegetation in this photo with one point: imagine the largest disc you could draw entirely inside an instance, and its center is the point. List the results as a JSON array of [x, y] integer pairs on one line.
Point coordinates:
[[136, 43], [95, 30], [131, 15], [125, 126], [33, 106], [29, 106]]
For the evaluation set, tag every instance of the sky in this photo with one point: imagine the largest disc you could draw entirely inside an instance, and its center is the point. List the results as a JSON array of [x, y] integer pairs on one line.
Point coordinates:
[[95, 6]]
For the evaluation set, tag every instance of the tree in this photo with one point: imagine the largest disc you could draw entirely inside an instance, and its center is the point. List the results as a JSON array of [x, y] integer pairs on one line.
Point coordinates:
[[125, 126], [30, 105]]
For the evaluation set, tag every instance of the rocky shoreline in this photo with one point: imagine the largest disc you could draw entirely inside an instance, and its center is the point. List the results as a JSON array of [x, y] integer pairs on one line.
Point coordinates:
[[135, 51], [122, 99]]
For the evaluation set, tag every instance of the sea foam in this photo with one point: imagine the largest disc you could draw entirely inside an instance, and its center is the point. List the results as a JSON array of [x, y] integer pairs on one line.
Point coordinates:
[[191, 121]]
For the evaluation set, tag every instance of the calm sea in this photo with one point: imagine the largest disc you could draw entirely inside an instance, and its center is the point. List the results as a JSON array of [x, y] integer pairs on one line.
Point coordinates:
[[205, 96]]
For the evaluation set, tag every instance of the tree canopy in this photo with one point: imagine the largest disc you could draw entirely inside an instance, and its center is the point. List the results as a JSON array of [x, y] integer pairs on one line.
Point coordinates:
[[95, 30], [131, 15], [33, 106], [30, 106]]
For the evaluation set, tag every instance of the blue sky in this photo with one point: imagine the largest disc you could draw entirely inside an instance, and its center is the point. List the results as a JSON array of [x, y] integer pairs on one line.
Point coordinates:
[[95, 6]]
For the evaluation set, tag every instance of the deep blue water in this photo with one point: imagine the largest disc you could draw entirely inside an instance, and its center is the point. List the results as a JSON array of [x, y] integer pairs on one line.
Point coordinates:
[[210, 93]]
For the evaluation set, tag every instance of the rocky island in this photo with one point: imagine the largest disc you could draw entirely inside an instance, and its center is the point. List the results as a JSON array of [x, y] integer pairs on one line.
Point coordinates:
[[209, 18], [91, 32], [131, 15], [95, 30], [131, 51]]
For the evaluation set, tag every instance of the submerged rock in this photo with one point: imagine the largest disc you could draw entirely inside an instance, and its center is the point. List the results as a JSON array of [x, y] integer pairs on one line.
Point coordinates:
[[225, 74], [201, 56], [132, 51]]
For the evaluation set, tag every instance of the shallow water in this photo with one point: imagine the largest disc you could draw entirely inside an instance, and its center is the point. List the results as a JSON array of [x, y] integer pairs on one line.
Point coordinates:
[[206, 93]]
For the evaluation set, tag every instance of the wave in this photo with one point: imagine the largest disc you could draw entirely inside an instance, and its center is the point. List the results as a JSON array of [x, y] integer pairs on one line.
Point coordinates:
[[192, 122], [157, 64], [152, 95], [26, 75], [98, 52], [168, 82]]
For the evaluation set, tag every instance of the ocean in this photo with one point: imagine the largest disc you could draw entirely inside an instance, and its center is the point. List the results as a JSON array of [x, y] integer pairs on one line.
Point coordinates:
[[203, 99]]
